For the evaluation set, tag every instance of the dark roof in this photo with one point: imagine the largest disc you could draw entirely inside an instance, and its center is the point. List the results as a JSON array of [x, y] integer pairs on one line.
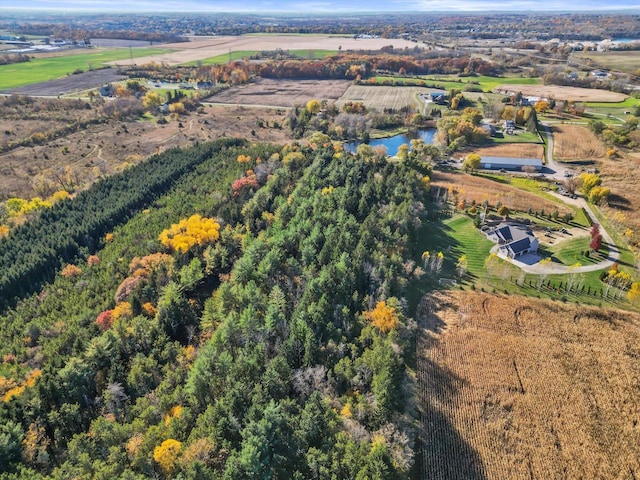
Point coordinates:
[[505, 233], [519, 246]]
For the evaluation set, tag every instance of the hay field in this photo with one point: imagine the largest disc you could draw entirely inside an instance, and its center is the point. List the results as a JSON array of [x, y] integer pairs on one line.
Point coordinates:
[[527, 150], [471, 187], [622, 61], [381, 97], [575, 142], [207, 47], [519, 388], [563, 93]]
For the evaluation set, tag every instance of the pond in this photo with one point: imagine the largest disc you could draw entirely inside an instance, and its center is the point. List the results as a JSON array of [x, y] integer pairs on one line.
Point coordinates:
[[393, 143]]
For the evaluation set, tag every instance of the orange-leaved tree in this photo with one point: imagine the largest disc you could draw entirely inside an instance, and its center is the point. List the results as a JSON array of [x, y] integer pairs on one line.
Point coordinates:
[[384, 317], [195, 230]]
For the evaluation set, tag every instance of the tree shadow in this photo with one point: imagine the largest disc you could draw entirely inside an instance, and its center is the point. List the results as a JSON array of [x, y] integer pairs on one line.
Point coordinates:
[[443, 453]]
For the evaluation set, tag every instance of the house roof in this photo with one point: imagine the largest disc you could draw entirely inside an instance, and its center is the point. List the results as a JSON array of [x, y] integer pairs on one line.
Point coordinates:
[[516, 238], [519, 246]]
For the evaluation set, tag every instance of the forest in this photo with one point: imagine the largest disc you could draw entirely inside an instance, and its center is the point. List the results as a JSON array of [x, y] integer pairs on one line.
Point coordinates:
[[240, 313]]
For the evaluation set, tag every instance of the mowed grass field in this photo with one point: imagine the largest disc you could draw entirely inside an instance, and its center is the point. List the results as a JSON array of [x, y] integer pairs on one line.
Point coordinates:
[[39, 70], [381, 97], [486, 83], [516, 388]]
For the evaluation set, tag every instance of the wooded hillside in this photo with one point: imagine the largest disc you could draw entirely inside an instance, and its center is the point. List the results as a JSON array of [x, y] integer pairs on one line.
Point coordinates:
[[263, 335]]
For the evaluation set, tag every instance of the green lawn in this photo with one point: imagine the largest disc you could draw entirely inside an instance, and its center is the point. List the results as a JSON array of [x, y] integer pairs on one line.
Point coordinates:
[[484, 82], [44, 69], [569, 252], [521, 136], [453, 236], [630, 102]]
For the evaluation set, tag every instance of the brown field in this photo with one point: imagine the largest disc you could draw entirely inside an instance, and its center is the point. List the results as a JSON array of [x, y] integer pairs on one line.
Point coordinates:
[[564, 93], [519, 388], [202, 48], [622, 61], [381, 97], [471, 187], [527, 150], [282, 93], [574, 142], [102, 149]]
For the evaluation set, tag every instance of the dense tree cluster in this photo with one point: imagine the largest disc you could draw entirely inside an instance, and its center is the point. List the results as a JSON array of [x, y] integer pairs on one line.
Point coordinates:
[[278, 351]]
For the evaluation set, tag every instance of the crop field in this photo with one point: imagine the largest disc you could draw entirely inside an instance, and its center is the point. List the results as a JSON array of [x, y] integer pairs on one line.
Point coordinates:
[[575, 142], [476, 188], [204, 48], [44, 69], [281, 93], [622, 61], [518, 388], [381, 97], [563, 93]]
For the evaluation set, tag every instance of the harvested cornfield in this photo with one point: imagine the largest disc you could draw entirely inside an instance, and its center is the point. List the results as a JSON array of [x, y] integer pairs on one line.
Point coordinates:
[[575, 142], [518, 388]]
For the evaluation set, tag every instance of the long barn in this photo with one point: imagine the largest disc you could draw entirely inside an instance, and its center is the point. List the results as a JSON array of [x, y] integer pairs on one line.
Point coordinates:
[[510, 163]]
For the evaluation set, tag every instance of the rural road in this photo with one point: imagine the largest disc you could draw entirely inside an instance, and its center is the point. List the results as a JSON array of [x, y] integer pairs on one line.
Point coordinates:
[[551, 164]]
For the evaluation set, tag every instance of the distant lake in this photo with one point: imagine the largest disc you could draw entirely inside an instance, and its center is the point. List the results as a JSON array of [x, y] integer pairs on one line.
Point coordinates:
[[393, 143]]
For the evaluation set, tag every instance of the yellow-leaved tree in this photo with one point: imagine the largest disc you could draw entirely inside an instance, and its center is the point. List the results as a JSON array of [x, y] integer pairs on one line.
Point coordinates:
[[384, 317], [167, 454], [195, 230]]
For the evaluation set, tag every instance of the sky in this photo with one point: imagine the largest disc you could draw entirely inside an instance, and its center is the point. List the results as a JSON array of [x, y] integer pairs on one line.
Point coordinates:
[[323, 6]]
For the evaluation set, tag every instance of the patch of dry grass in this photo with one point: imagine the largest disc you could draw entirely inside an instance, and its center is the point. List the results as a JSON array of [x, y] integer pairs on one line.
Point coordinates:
[[527, 150], [575, 142], [515, 388], [471, 187]]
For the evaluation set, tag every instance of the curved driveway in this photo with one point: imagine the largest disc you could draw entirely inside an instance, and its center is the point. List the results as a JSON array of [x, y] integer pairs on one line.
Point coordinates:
[[531, 265]]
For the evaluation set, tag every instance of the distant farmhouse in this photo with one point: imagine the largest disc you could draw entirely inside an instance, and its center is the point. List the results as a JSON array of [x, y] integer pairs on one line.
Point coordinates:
[[439, 98], [510, 163], [514, 240]]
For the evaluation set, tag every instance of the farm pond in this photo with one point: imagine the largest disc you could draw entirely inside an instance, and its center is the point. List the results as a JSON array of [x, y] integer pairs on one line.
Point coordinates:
[[393, 143]]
